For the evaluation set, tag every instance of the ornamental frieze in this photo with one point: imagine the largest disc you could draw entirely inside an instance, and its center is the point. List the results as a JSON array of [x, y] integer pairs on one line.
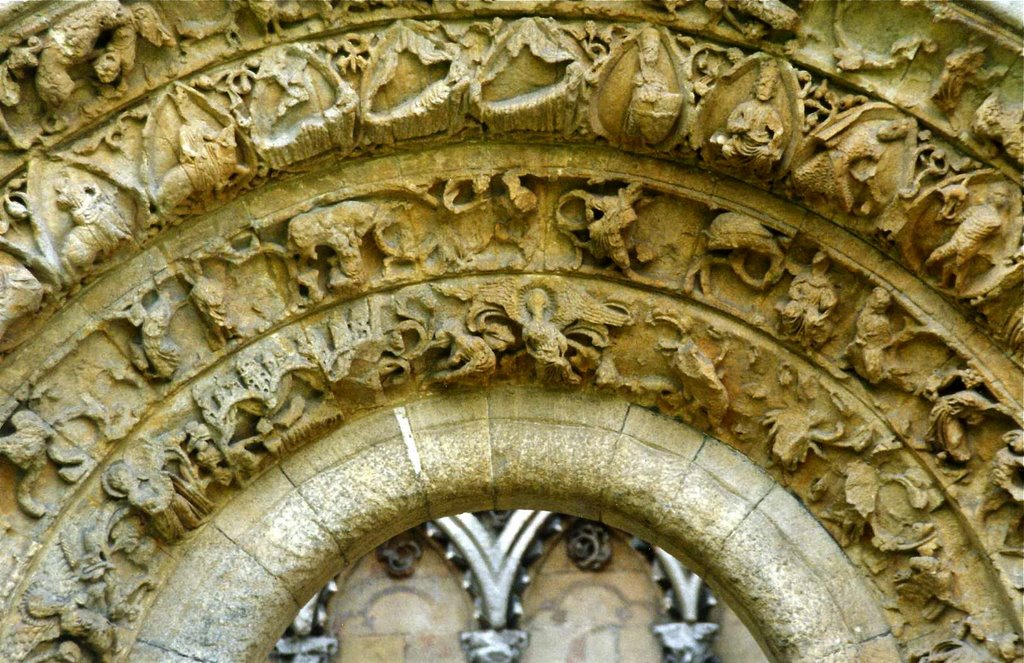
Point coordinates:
[[227, 232], [203, 139], [866, 478]]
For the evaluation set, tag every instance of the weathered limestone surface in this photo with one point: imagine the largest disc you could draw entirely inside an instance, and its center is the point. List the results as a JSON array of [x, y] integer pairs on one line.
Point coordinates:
[[244, 244]]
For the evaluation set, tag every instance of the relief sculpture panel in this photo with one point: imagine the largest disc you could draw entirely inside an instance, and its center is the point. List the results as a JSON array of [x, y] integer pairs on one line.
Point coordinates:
[[723, 211]]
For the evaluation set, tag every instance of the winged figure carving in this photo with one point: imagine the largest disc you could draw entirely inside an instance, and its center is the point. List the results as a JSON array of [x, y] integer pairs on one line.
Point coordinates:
[[561, 326]]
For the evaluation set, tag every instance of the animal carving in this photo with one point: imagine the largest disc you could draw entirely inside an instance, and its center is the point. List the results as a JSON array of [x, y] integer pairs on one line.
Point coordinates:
[[28, 448], [976, 224], [340, 228], [732, 239], [1002, 124], [857, 159], [273, 12], [695, 370], [100, 225]]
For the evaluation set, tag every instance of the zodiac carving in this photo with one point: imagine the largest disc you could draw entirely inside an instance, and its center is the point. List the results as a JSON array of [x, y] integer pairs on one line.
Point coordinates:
[[562, 328], [28, 448], [773, 13], [75, 39], [975, 224], [100, 224], [858, 159], [159, 481], [806, 316], [607, 220], [1001, 123], [341, 228], [733, 239]]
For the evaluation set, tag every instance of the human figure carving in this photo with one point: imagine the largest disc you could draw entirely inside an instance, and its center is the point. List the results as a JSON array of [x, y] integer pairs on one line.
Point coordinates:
[[160, 482], [215, 463], [74, 39], [28, 448], [100, 224], [547, 318], [755, 134], [608, 218], [207, 161], [653, 107], [210, 297], [153, 352], [812, 300], [875, 336]]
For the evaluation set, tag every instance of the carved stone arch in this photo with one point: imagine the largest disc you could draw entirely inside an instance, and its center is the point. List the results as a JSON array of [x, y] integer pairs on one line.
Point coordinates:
[[606, 460], [694, 208]]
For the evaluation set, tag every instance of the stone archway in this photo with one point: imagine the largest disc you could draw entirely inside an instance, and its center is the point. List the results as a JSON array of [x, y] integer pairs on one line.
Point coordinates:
[[231, 232], [272, 547]]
